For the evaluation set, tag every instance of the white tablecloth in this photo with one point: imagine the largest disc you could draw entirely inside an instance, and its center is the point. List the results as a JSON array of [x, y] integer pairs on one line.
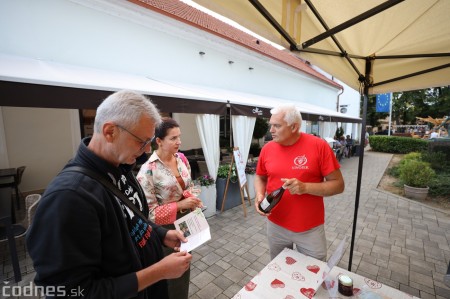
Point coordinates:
[[294, 275]]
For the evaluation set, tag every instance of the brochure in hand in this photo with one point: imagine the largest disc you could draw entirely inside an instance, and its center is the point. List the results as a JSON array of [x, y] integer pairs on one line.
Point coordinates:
[[195, 228]]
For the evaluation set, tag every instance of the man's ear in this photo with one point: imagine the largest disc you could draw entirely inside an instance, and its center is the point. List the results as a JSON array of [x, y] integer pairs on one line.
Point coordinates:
[[109, 131], [294, 127]]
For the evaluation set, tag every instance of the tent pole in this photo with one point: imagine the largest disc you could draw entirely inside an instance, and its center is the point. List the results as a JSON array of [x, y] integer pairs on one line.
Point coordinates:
[[365, 95]]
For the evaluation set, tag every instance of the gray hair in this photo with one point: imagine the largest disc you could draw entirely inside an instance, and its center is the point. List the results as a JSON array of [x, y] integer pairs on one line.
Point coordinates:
[[291, 114], [125, 108]]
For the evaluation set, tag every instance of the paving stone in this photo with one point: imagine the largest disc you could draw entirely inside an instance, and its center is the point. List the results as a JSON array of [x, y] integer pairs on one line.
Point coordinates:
[[444, 292], [210, 291], [234, 274], [369, 268], [398, 242], [409, 290], [422, 287], [215, 270], [211, 258], [202, 279], [400, 277]]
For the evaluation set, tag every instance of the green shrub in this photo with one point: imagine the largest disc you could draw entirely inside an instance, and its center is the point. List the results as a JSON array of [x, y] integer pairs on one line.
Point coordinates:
[[223, 170], [255, 149], [440, 186], [437, 160], [440, 147], [416, 173], [413, 156], [397, 145], [260, 129], [394, 171]]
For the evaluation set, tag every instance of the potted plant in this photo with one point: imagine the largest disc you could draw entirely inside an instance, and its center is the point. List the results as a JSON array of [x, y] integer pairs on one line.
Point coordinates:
[[416, 176], [233, 197], [208, 194], [250, 174]]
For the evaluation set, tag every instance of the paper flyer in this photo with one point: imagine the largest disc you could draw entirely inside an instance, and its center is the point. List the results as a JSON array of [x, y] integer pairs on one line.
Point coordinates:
[[195, 228]]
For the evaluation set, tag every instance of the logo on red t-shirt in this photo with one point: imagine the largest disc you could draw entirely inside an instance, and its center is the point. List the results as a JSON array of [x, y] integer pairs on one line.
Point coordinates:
[[300, 162]]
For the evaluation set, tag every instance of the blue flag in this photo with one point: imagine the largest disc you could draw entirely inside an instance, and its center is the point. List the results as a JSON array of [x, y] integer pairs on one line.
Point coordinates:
[[383, 102]]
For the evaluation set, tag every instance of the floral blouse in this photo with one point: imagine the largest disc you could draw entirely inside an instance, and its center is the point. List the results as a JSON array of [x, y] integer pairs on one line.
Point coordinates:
[[161, 187]]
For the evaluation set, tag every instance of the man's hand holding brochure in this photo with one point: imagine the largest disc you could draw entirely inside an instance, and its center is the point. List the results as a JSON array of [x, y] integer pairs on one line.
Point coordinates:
[[195, 228]]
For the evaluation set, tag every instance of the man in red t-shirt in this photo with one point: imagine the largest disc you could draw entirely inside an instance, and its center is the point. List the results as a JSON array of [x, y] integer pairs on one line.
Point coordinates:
[[307, 168]]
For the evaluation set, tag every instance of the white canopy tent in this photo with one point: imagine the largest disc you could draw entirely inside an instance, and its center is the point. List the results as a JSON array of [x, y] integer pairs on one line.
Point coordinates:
[[23, 80], [406, 42], [373, 46]]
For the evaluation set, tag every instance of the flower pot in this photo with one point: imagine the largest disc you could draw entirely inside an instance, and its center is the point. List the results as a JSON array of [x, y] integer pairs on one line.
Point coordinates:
[[208, 197], [251, 185], [416, 193], [233, 197]]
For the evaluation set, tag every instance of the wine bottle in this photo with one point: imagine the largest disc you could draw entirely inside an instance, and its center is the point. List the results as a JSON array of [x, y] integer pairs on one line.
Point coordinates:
[[271, 200]]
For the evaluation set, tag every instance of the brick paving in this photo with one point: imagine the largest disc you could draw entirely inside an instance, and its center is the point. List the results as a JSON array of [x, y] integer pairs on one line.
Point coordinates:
[[398, 242]]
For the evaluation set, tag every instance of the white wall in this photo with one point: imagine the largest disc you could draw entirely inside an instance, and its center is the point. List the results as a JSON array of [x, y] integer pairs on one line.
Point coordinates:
[[40, 139], [120, 36], [189, 133], [150, 45]]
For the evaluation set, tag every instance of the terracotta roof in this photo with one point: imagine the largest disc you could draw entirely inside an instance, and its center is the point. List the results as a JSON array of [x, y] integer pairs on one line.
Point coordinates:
[[185, 13]]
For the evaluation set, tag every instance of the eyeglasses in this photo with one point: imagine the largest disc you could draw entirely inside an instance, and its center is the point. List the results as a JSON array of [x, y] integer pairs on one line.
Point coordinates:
[[144, 143]]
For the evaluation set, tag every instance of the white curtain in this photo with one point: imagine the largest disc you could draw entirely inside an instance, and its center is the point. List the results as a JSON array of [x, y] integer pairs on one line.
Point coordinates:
[[321, 129], [327, 130], [208, 126], [333, 127], [242, 133], [356, 131], [303, 126]]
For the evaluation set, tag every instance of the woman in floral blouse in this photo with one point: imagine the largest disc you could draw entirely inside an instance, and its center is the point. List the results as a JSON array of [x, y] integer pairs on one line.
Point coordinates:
[[164, 177]]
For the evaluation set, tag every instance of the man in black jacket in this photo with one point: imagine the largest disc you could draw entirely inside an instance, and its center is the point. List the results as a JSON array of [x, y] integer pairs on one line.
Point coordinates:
[[84, 241]]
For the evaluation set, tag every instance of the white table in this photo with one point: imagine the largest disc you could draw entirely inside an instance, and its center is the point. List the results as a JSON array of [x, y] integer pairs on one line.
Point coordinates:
[[293, 275]]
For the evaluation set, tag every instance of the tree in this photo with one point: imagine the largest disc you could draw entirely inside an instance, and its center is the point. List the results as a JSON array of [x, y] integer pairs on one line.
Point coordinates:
[[373, 117], [434, 102], [261, 127]]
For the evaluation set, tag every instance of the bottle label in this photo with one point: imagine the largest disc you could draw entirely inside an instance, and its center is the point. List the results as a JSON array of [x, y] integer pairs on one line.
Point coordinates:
[[265, 203]]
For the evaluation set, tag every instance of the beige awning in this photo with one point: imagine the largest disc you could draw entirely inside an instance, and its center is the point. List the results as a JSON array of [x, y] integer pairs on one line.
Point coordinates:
[[409, 41]]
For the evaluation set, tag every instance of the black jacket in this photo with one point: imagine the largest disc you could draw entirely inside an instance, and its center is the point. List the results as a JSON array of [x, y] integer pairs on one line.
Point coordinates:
[[84, 242]]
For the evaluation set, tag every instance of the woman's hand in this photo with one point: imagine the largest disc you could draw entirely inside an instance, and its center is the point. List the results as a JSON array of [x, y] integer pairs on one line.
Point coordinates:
[[190, 203]]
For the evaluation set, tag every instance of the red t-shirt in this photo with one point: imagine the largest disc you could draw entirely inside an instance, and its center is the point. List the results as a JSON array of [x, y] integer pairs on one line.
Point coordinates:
[[310, 159]]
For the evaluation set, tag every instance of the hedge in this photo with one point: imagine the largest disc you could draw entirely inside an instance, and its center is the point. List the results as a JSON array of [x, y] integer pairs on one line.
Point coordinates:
[[397, 145]]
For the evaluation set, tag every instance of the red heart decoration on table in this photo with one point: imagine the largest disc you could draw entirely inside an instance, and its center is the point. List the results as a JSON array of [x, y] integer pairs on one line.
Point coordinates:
[[313, 268], [290, 260], [356, 291], [309, 293], [298, 276], [250, 286], [277, 284], [372, 283]]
